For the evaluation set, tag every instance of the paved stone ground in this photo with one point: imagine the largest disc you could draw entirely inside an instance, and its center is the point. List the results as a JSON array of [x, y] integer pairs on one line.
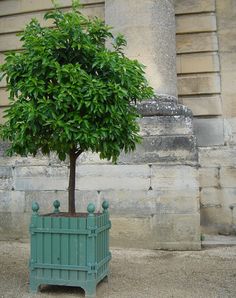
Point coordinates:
[[135, 274]]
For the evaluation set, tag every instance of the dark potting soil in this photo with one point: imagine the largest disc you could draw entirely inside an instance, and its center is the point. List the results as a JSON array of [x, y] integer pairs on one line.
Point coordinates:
[[66, 214]]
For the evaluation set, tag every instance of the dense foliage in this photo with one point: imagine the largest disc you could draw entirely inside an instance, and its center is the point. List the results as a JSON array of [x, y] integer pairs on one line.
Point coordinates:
[[68, 92]]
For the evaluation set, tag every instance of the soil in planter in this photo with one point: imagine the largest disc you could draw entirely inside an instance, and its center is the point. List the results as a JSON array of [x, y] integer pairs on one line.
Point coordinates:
[[66, 214]]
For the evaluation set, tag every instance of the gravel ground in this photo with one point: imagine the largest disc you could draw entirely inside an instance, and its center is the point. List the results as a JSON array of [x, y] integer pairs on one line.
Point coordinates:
[[134, 274]]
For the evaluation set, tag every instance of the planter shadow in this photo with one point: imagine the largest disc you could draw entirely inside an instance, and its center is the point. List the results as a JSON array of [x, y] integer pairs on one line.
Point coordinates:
[[69, 251]]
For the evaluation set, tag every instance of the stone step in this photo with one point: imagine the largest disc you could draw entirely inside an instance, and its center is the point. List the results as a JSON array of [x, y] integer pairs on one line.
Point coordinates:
[[211, 241]]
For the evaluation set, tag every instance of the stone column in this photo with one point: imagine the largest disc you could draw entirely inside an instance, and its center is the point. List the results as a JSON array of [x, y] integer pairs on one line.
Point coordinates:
[[149, 28], [168, 147]]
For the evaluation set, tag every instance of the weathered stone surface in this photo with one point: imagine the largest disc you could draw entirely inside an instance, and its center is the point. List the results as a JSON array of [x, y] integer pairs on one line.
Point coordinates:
[[156, 21], [209, 177], [226, 19], [14, 225], [186, 202], [218, 209], [139, 203], [162, 232], [217, 157], [165, 97], [21, 6], [218, 219], [6, 183], [194, 6], [2, 58], [132, 232], [89, 178], [13, 161], [115, 183], [199, 84], [230, 131], [16, 23], [209, 132], [9, 42], [121, 171], [174, 177], [196, 23], [145, 200], [163, 149], [155, 108], [227, 61], [9, 24], [211, 197], [41, 171], [165, 125], [228, 103], [160, 199], [221, 197], [5, 172], [178, 228], [228, 93], [92, 158], [198, 63], [40, 183], [204, 105], [12, 201], [196, 42], [228, 177]]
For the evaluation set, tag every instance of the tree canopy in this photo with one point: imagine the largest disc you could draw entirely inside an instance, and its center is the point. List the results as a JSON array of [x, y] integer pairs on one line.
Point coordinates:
[[68, 91]]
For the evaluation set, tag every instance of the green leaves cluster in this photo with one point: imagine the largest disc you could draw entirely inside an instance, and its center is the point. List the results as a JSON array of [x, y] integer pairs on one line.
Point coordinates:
[[69, 92]]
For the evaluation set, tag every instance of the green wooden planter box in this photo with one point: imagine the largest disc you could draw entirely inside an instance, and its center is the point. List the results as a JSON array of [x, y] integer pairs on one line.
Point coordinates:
[[71, 251]]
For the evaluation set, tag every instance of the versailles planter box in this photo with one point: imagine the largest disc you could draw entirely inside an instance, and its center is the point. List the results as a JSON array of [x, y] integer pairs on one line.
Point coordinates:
[[70, 251]]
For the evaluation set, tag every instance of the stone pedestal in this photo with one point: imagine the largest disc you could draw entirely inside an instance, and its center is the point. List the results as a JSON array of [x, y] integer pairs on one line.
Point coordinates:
[[169, 149], [169, 145]]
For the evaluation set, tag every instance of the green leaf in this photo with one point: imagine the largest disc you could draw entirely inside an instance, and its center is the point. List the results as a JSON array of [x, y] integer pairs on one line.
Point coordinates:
[[67, 90]]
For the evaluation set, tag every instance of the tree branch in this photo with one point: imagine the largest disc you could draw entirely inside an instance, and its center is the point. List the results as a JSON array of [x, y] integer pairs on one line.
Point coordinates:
[[78, 152]]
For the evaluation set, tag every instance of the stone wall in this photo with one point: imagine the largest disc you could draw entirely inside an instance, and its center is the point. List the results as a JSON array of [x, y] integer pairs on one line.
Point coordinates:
[[207, 76], [148, 198], [153, 193], [198, 65], [146, 212], [218, 172]]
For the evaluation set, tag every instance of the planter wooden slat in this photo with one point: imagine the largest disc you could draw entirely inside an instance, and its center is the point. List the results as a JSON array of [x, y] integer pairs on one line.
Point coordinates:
[[71, 251]]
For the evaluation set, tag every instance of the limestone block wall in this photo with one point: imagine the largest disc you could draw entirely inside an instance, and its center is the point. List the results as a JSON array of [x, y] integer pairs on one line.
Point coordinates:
[[154, 193], [207, 76], [146, 212], [206, 67], [198, 67]]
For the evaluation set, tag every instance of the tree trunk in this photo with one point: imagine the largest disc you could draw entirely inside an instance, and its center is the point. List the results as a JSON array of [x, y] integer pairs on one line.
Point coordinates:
[[71, 189]]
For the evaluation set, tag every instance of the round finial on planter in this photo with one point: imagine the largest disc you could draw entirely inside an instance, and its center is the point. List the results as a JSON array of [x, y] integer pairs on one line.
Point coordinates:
[[105, 206], [35, 207], [56, 205], [91, 209]]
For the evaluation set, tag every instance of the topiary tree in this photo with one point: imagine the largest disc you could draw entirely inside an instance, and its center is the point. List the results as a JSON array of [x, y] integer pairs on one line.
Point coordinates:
[[69, 93]]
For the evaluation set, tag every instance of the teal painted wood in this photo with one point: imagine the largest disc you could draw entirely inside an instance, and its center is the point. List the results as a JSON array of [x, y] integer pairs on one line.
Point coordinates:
[[72, 251]]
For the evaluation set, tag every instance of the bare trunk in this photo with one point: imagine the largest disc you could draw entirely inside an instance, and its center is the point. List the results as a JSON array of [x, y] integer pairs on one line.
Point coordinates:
[[71, 189]]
